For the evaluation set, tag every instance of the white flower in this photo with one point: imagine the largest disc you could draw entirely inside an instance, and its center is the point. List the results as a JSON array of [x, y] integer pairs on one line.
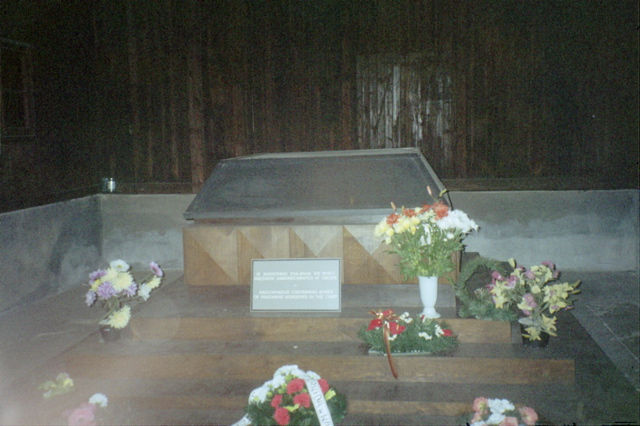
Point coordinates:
[[495, 418], [313, 375], [500, 405], [144, 292], [119, 265], [425, 336], [259, 394], [439, 331], [99, 399], [457, 219]]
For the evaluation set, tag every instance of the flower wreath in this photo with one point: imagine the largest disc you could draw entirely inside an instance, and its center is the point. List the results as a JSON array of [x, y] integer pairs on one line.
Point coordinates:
[[297, 397], [390, 333]]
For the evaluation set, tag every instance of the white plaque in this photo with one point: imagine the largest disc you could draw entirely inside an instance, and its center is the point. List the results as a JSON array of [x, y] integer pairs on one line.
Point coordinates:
[[296, 285]]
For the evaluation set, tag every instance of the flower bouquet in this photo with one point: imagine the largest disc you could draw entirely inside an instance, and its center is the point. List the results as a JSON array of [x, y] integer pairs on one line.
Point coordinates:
[[114, 287], [425, 237], [500, 412], [294, 397], [61, 385], [87, 413], [534, 292], [390, 333]]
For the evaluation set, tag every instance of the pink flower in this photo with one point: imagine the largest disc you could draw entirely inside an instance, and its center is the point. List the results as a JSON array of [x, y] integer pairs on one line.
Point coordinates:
[[324, 385], [509, 421], [281, 416], [447, 333], [529, 416], [156, 269], [275, 402], [303, 399], [83, 415], [480, 405], [295, 385]]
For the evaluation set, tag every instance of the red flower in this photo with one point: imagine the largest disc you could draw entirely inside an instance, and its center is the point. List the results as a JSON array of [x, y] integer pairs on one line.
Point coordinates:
[[395, 328], [375, 323], [281, 416], [275, 402], [303, 399], [295, 385], [324, 385], [447, 333], [409, 212], [388, 313], [392, 218], [441, 210], [425, 208]]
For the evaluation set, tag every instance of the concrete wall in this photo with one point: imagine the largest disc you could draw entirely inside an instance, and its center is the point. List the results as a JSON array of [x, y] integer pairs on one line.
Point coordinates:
[[49, 249], [142, 228], [578, 230]]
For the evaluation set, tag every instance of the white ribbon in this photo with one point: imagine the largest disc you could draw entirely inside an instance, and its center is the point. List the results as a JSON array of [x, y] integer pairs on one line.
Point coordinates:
[[319, 403], [317, 399]]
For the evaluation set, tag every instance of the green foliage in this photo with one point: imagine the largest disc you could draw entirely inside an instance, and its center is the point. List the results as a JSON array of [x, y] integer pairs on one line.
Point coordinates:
[[479, 303], [410, 339]]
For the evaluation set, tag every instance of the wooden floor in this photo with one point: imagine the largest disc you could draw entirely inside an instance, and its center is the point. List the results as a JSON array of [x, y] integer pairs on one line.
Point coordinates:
[[192, 356]]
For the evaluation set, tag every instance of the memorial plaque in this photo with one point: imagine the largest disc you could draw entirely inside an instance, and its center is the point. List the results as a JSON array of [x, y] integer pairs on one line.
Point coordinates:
[[296, 285]]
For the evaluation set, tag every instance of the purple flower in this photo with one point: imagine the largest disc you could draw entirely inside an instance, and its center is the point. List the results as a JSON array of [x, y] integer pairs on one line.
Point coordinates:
[[496, 275], [90, 298], [106, 290], [511, 281], [529, 275], [96, 274], [531, 301], [131, 290], [549, 265], [156, 269]]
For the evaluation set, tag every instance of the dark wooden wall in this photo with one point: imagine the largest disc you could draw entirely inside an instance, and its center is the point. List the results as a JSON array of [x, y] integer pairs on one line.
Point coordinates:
[[157, 92]]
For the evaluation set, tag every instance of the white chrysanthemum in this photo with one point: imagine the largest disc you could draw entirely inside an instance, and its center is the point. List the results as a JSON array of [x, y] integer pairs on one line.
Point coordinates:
[[313, 375], [495, 419], [500, 405], [120, 265], [144, 291], [123, 280], [259, 394], [99, 399], [457, 219], [381, 228]]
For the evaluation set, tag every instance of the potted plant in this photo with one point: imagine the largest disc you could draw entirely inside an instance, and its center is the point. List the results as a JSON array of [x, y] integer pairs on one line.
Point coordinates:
[[114, 288], [425, 239], [537, 295]]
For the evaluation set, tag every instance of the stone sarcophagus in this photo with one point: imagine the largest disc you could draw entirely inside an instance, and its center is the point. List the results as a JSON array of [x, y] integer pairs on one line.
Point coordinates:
[[302, 205]]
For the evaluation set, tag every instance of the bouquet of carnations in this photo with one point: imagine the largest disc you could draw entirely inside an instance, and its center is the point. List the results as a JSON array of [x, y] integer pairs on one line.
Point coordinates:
[[489, 412], [295, 397], [114, 287]]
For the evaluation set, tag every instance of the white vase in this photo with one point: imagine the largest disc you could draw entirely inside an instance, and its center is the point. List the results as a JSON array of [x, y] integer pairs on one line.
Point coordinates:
[[429, 296]]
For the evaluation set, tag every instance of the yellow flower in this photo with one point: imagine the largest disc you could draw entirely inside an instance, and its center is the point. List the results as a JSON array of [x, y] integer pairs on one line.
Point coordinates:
[[534, 333], [535, 289], [122, 281], [154, 283], [96, 284], [499, 298], [549, 325], [120, 318]]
